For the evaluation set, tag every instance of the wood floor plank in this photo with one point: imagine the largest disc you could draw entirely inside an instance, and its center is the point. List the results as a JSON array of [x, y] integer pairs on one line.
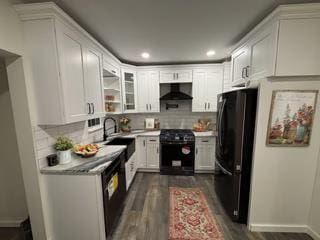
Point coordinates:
[[146, 214]]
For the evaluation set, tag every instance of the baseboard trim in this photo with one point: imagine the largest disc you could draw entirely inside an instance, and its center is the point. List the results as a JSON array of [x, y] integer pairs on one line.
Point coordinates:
[[284, 228], [277, 228], [8, 223], [312, 233]]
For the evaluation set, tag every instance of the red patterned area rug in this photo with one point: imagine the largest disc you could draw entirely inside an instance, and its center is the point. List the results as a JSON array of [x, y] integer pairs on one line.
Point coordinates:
[[191, 217]]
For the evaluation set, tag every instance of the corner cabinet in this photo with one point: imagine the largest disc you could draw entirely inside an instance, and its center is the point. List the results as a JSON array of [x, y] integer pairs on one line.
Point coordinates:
[[148, 91], [129, 90], [207, 84], [67, 72]]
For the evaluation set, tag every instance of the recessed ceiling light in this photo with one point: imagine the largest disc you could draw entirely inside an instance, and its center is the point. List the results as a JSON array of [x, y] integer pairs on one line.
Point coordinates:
[[145, 55], [211, 53]]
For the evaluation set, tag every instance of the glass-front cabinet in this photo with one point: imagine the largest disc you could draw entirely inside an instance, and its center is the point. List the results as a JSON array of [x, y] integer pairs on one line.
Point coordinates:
[[129, 90]]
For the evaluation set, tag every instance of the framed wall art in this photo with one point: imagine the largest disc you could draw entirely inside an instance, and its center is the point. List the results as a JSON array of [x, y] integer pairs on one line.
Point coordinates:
[[291, 117]]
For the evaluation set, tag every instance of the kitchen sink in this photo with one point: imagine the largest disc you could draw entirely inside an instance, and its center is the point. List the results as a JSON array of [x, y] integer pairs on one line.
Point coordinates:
[[129, 142]]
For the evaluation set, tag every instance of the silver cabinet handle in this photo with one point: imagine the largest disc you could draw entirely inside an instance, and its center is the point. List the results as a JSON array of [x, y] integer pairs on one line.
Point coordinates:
[[150, 108], [208, 105], [247, 71], [92, 108], [89, 112], [196, 150], [205, 106], [177, 75], [144, 143], [157, 150], [147, 107]]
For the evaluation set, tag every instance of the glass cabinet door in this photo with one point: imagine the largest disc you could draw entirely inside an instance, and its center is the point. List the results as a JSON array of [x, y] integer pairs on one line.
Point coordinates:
[[129, 91]]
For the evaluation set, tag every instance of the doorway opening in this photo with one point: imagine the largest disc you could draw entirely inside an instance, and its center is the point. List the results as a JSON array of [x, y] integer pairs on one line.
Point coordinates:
[[14, 220]]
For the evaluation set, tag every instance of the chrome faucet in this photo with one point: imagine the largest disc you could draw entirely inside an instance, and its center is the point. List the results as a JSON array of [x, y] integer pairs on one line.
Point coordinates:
[[105, 135]]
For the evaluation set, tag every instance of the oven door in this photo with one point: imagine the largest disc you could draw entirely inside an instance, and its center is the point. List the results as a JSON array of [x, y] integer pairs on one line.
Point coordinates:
[[177, 156]]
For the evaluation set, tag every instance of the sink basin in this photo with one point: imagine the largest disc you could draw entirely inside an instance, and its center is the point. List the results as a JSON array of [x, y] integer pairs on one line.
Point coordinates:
[[120, 141], [129, 142]]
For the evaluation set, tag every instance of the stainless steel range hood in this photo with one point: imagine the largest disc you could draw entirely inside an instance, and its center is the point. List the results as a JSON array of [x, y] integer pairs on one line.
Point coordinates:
[[175, 94]]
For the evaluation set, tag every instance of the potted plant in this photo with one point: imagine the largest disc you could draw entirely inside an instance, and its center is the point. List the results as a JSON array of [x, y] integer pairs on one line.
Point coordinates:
[[64, 145]]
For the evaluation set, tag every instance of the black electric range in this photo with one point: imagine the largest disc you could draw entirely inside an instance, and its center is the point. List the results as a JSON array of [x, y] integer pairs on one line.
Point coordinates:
[[177, 152]]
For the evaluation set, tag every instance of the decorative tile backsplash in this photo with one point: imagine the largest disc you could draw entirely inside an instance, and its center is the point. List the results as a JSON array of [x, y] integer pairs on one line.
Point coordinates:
[[45, 137], [170, 119]]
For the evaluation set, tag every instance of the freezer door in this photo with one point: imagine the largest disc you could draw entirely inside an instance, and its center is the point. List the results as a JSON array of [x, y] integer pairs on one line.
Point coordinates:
[[227, 187]]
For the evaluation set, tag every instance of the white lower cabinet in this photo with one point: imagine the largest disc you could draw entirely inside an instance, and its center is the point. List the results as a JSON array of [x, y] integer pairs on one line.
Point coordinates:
[[153, 153], [131, 169], [148, 153], [205, 154]]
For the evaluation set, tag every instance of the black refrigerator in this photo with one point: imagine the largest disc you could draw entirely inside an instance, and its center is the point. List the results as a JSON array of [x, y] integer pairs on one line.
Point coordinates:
[[234, 145]]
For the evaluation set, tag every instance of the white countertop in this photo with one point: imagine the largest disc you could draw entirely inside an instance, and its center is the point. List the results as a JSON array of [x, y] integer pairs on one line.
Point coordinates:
[[105, 151], [145, 133]]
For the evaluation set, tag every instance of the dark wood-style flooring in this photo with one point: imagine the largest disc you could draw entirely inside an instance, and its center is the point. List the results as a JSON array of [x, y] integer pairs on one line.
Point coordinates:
[[146, 212]]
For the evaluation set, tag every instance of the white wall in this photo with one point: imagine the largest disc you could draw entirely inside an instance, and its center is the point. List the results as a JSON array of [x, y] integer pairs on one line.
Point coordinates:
[[13, 206], [315, 207], [11, 40], [283, 177]]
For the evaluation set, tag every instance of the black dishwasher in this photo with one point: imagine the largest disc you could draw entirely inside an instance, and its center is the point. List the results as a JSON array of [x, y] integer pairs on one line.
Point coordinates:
[[114, 192]]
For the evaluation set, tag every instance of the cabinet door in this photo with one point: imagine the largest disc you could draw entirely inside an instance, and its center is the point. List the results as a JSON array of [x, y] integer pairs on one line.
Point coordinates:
[[214, 87], [141, 152], [199, 90], [143, 91], [184, 76], [153, 155], [167, 76], [154, 91], [263, 53], [240, 63], [298, 47], [129, 88], [128, 173], [71, 49], [204, 157], [94, 82]]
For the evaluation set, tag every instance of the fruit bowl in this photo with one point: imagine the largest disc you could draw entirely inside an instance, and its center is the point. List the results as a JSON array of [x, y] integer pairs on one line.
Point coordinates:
[[86, 150]]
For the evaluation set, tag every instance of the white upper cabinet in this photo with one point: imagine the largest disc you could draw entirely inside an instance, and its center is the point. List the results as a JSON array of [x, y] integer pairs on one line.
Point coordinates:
[[299, 47], [129, 89], [207, 84], [66, 66], [286, 43], [148, 91], [176, 76], [94, 82], [240, 65], [71, 52]]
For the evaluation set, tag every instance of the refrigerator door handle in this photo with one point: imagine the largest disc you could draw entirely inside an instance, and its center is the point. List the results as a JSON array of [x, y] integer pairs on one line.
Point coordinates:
[[225, 171], [220, 122]]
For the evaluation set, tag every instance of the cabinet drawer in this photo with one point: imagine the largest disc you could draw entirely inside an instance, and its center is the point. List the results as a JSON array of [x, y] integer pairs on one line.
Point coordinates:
[[152, 139], [206, 140]]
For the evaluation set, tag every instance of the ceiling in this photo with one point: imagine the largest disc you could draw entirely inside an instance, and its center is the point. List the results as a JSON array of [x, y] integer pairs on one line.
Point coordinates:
[[172, 31]]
